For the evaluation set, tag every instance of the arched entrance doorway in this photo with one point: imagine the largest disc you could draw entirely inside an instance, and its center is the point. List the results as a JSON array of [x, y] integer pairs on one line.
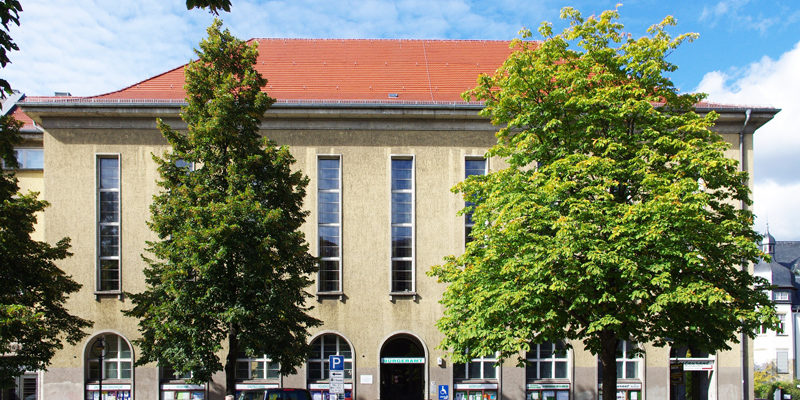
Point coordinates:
[[402, 369]]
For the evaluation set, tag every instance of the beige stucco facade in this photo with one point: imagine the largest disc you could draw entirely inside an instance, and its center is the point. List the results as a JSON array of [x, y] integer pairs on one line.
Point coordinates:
[[365, 315]]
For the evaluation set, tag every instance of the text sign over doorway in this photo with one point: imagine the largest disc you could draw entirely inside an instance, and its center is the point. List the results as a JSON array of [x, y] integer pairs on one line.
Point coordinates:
[[403, 360]]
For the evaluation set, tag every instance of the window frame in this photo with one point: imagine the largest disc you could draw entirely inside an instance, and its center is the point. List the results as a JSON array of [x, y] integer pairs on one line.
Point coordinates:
[[323, 361], [780, 295], [118, 360], [99, 258], [338, 225], [636, 359], [781, 331], [467, 218], [21, 161], [552, 360], [267, 360], [483, 361], [411, 225]]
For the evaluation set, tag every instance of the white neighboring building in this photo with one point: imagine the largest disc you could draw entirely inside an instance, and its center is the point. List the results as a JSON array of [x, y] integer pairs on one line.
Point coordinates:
[[780, 348]]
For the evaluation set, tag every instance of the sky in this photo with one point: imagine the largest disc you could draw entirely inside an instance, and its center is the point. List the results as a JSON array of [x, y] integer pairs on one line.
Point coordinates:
[[748, 53]]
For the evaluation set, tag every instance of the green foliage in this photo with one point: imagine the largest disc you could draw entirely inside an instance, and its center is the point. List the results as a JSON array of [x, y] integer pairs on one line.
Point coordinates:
[[214, 6], [230, 267], [618, 215], [9, 13], [33, 318], [764, 380]]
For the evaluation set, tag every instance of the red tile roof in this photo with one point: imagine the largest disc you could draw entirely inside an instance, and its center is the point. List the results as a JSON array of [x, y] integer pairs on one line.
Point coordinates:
[[28, 124], [353, 70]]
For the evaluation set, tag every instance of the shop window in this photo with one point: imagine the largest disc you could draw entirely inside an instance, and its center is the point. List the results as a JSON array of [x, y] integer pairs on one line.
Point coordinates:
[[402, 225], [255, 375], [176, 386], [108, 224], [116, 368], [476, 380], [472, 166], [260, 368], [329, 224], [691, 373], [547, 372], [322, 348]]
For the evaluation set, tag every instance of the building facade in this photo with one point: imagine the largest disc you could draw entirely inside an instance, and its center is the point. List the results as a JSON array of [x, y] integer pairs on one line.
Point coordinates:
[[380, 129], [776, 351]]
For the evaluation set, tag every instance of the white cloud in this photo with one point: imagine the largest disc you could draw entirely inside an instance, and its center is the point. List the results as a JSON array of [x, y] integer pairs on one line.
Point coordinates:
[[777, 144]]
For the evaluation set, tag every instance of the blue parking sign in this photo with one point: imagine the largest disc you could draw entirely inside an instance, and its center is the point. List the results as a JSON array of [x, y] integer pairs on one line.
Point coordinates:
[[336, 363], [443, 393]]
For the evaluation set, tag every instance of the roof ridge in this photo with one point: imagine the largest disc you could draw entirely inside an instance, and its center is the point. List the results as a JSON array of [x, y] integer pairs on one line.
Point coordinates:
[[383, 39], [138, 83]]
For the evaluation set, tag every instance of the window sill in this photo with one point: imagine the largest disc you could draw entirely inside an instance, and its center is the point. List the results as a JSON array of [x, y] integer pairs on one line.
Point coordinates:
[[330, 295], [108, 294], [402, 295]]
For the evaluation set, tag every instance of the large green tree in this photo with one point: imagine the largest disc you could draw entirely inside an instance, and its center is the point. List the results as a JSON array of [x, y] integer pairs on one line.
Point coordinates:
[[618, 216], [230, 266], [33, 316]]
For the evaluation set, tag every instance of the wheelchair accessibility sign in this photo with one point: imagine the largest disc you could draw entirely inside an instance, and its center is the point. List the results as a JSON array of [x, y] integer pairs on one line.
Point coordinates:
[[443, 393]]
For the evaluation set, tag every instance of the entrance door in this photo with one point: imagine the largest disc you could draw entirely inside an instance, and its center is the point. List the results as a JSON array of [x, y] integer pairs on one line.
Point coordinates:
[[402, 369]]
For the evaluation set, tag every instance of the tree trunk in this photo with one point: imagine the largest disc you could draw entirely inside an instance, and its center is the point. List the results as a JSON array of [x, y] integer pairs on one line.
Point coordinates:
[[230, 360], [608, 360]]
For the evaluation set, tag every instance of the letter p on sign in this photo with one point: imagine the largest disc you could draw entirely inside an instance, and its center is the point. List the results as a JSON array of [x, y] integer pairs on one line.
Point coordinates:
[[336, 363]]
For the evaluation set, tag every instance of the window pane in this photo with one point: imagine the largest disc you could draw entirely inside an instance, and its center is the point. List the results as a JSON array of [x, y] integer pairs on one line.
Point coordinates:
[[474, 370], [401, 208], [273, 370], [561, 369], [112, 347], [546, 369], [546, 350], [489, 371], [31, 158], [329, 275], [242, 370], [619, 369], [401, 174], [94, 371], [474, 167], [111, 370], [459, 371], [124, 350], [257, 369], [315, 370], [109, 173], [561, 350], [109, 275], [630, 369], [329, 346], [531, 371], [348, 370], [344, 348], [125, 370], [401, 276]]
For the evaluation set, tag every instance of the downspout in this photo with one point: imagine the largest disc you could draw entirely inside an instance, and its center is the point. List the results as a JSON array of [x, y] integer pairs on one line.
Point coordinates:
[[745, 366]]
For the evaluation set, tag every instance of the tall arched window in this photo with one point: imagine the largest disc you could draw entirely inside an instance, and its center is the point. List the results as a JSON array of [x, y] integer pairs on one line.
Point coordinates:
[[318, 369], [116, 368]]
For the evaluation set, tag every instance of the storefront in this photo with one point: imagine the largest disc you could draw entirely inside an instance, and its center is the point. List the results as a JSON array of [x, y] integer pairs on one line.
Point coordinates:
[[691, 374], [109, 367], [322, 347]]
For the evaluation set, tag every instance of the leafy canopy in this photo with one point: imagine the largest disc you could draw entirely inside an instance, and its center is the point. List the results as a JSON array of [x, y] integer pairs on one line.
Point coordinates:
[[9, 13], [230, 266], [618, 216], [33, 318]]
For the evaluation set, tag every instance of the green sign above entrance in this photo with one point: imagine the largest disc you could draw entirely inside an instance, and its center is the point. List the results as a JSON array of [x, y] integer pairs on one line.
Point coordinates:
[[403, 360]]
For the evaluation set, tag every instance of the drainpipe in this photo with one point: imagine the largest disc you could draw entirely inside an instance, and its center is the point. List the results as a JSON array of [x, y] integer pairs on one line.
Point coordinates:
[[745, 366]]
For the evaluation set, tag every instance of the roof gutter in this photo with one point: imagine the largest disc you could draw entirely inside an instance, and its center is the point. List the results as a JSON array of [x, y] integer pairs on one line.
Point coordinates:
[[744, 343]]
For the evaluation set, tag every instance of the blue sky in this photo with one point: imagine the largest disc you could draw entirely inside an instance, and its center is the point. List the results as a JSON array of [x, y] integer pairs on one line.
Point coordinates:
[[748, 52]]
